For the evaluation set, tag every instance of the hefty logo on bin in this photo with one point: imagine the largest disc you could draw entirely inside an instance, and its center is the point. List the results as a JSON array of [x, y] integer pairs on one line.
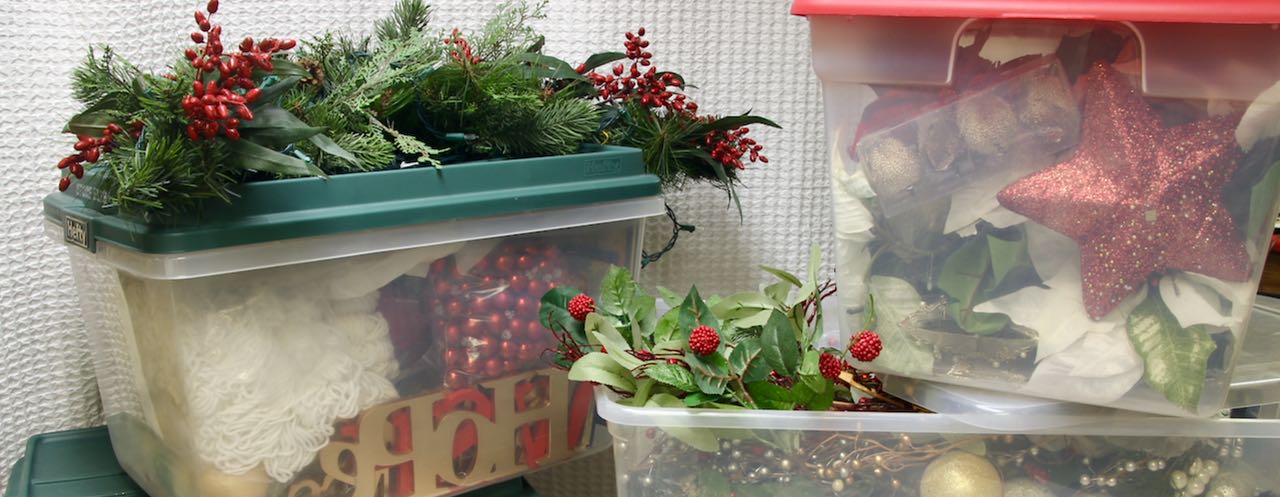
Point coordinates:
[[451, 439], [601, 167], [75, 231]]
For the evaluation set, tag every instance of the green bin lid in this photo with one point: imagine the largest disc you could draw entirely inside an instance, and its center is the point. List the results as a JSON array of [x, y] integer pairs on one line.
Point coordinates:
[[286, 209], [76, 463], [80, 463]]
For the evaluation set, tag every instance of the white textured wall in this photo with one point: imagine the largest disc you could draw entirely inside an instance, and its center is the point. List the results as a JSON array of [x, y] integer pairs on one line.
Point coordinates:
[[743, 54]]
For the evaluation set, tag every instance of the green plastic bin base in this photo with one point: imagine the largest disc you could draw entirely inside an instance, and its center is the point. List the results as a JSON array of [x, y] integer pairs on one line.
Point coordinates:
[[80, 463]]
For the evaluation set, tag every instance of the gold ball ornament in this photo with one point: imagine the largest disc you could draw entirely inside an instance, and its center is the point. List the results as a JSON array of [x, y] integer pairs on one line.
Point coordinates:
[[1025, 487], [961, 474], [890, 165], [214, 483], [987, 124], [1047, 106], [1233, 484]]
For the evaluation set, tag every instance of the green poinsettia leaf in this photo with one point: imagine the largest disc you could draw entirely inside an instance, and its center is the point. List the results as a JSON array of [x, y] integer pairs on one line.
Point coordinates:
[[553, 313], [1175, 358], [809, 365], [895, 301], [699, 438], [780, 347], [767, 395], [673, 375], [598, 367], [747, 361], [699, 399], [983, 268], [710, 372], [820, 393], [1008, 257], [1262, 206], [963, 271], [600, 59], [712, 484], [254, 157], [978, 323]]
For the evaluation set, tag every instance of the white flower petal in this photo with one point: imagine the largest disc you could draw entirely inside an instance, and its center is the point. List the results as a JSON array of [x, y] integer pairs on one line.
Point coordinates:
[[1099, 368]]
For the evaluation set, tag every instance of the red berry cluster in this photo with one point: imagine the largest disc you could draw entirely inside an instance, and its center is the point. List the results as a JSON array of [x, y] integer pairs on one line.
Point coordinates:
[[866, 346], [581, 305], [651, 88], [730, 146], [487, 319], [703, 340], [221, 104], [460, 49], [90, 149], [830, 366]]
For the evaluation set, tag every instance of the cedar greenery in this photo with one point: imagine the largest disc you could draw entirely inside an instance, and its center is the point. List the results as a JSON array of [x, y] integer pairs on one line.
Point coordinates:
[[408, 95]]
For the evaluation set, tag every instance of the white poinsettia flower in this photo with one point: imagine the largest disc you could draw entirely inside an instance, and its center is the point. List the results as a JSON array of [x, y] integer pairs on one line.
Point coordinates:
[[1261, 120], [1056, 309], [977, 201], [1099, 368]]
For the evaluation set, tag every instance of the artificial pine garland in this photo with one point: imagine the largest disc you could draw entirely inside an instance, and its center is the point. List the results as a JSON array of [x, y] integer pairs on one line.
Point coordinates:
[[408, 96]]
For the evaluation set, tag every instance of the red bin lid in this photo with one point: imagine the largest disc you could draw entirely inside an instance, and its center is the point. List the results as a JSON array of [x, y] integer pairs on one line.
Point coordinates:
[[1202, 11]]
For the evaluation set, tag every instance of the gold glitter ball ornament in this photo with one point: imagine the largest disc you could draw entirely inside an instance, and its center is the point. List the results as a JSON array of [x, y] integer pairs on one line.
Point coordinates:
[[1026, 487], [890, 165], [961, 474], [1233, 484], [987, 124]]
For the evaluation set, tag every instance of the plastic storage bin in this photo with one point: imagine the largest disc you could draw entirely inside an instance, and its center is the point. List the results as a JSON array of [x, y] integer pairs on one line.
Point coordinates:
[[1069, 200], [366, 335], [796, 453]]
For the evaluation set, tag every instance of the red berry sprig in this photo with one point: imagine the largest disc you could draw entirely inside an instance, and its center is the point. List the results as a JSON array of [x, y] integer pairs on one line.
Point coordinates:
[[219, 106], [460, 49], [90, 149], [581, 305], [703, 340], [830, 366], [650, 88], [866, 346], [728, 147]]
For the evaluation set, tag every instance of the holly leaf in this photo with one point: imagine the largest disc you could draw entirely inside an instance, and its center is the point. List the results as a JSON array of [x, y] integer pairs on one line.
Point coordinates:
[[782, 275], [698, 438], [694, 313], [544, 66], [780, 346], [251, 156], [553, 313], [326, 144], [671, 374], [90, 122], [1174, 358], [814, 392], [615, 345], [668, 327], [710, 372], [770, 396], [598, 367], [747, 361], [272, 92], [699, 399], [733, 122], [273, 126], [669, 297]]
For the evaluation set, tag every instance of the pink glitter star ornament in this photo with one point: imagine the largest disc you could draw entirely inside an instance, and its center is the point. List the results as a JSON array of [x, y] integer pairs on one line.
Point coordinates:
[[1139, 198]]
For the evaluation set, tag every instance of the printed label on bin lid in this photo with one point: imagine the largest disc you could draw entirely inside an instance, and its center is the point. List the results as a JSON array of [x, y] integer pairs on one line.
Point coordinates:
[[1202, 11], [78, 232]]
